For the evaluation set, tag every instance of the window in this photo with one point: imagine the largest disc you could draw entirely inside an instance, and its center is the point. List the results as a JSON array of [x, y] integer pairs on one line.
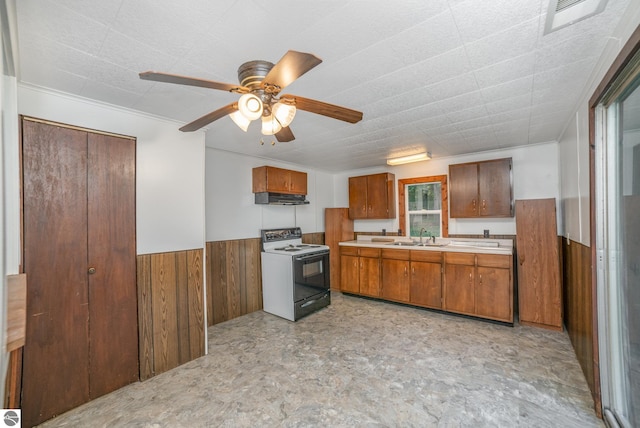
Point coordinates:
[[423, 204]]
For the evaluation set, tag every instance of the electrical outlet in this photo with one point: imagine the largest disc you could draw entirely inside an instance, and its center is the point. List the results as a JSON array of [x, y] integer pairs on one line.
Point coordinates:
[[486, 233]]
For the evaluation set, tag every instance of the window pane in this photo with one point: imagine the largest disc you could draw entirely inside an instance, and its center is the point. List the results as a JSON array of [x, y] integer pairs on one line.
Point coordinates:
[[425, 196], [431, 223]]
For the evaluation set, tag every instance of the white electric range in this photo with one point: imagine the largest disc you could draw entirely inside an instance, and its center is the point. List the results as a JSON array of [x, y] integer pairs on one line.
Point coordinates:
[[295, 276]]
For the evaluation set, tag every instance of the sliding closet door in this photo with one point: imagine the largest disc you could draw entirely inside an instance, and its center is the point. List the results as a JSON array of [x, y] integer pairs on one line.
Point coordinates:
[[55, 260], [80, 260]]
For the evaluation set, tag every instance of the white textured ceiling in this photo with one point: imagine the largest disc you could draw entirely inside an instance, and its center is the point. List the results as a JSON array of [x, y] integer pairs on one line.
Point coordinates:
[[447, 76]]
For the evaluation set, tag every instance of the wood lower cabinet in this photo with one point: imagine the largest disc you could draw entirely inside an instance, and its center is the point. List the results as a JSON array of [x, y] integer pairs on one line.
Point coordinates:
[[479, 285], [459, 285], [360, 271], [426, 279], [396, 281]]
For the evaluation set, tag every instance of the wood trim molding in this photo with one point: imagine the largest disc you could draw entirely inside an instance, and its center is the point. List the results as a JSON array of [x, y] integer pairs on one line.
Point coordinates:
[[402, 213]]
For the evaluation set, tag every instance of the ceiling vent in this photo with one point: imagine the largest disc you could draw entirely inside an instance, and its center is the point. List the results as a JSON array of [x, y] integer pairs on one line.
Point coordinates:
[[562, 13]]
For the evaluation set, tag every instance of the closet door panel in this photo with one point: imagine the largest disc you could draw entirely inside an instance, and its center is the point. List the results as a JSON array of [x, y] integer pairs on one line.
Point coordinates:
[[113, 348], [55, 261]]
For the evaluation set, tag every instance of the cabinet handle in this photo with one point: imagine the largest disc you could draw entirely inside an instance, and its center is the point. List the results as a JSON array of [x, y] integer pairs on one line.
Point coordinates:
[[470, 279], [413, 270], [405, 271], [484, 204], [480, 279]]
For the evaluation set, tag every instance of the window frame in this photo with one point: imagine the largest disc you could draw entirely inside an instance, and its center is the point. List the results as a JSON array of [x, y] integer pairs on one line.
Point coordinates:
[[402, 209]]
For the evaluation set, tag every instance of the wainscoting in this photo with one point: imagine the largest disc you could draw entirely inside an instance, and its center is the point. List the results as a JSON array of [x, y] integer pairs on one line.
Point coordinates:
[[170, 310], [234, 278], [578, 309]]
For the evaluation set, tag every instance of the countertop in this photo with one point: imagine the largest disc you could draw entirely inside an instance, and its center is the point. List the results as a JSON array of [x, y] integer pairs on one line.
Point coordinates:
[[460, 245]]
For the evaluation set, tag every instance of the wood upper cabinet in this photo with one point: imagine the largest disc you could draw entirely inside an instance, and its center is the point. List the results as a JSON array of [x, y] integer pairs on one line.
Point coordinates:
[[481, 189], [396, 279], [479, 285], [539, 277], [278, 180], [372, 196]]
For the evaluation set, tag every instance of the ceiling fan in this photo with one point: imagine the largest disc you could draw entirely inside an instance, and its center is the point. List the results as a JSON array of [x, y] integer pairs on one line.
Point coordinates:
[[260, 86]]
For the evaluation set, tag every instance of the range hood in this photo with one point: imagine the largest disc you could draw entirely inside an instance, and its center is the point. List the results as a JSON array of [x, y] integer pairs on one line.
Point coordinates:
[[272, 198]]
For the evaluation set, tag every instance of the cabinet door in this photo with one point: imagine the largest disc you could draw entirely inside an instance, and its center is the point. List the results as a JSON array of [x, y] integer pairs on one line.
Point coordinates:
[[378, 196], [278, 180], [459, 293], [493, 294], [298, 182], [494, 186], [426, 284], [370, 276], [349, 274], [463, 190], [395, 280], [358, 197]]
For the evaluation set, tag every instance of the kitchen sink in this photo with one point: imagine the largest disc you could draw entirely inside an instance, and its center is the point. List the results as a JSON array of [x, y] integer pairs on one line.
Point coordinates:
[[416, 244]]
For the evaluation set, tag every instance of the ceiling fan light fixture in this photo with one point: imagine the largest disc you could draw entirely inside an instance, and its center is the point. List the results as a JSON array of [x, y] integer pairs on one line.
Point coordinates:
[[270, 125], [284, 113], [408, 159], [240, 120], [250, 106]]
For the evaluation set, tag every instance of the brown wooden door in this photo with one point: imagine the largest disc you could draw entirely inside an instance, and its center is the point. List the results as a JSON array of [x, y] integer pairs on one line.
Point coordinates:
[[350, 274], [493, 294], [370, 276], [463, 190], [55, 358], [358, 197], [79, 213], [113, 326], [494, 185], [395, 280], [459, 288], [426, 284]]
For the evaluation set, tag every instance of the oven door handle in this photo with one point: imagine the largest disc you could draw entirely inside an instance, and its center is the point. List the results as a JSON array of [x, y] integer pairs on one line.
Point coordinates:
[[310, 256], [310, 302]]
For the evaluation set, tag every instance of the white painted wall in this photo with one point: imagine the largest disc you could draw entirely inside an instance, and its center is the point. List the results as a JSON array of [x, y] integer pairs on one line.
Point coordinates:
[[231, 212], [535, 175], [574, 143], [169, 166]]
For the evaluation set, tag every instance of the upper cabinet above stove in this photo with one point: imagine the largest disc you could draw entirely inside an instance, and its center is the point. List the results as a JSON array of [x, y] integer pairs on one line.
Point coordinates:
[[278, 180]]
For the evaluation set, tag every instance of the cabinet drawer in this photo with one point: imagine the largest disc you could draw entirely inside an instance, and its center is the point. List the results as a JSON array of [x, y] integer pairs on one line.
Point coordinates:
[[460, 259], [426, 256], [349, 251], [369, 252], [395, 254], [493, 260]]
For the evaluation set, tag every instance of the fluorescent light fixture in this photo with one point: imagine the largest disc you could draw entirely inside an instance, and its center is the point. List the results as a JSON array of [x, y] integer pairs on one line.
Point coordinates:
[[408, 159], [240, 120]]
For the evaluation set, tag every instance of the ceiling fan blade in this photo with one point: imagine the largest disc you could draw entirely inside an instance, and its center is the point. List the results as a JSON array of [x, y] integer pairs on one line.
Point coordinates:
[[191, 81], [210, 117], [325, 109], [285, 135], [292, 65]]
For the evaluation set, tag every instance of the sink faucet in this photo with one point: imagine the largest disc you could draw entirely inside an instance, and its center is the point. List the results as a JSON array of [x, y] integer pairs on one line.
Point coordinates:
[[421, 232]]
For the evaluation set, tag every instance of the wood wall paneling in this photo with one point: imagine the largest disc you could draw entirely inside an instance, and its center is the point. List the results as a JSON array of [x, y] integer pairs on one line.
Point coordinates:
[[578, 305], [170, 311]]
